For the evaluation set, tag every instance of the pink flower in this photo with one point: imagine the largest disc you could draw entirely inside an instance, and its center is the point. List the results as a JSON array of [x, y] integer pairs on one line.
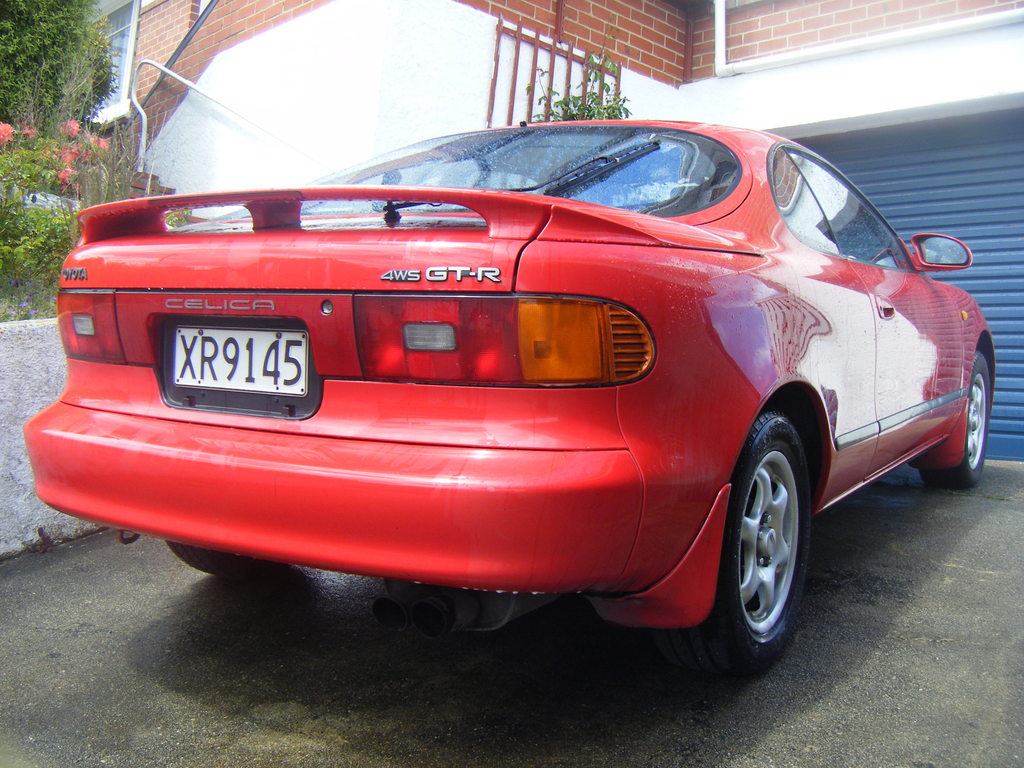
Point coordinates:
[[71, 128], [69, 155], [29, 132], [98, 142], [6, 132], [65, 176]]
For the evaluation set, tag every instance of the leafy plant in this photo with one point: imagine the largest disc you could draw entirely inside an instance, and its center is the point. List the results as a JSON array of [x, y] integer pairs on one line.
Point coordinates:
[[28, 300], [107, 174], [55, 72], [54, 61], [33, 241], [43, 182], [597, 99]]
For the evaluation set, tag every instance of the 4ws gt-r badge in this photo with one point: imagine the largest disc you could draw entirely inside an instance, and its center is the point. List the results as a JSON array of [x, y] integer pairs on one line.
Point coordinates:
[[441, 274]]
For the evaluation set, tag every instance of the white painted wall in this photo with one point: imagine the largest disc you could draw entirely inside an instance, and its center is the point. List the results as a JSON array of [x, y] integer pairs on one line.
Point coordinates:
[[352, 79], [649, 99], [884, 86], [32, 375], [338, 85]]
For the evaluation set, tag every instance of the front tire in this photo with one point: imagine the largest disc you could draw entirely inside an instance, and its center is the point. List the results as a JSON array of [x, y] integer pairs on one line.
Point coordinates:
[[764, 559], [967, 473], [225, 565]]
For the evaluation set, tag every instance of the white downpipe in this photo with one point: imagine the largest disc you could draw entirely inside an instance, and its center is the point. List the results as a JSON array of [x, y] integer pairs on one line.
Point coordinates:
[[957, 26]]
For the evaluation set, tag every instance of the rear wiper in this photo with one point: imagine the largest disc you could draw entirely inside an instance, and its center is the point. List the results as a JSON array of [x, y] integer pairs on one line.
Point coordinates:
[[391, 210], [591, 169]]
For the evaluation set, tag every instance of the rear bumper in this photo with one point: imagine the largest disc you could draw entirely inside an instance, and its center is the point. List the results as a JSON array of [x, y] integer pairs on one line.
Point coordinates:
[[484, 518]]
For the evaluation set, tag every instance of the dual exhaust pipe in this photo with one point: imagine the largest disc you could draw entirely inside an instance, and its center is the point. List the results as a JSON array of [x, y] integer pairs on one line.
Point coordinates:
[[431, 616], [437, 611]]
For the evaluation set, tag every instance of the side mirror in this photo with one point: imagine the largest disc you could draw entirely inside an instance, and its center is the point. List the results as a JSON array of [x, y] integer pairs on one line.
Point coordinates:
[[934, 253]]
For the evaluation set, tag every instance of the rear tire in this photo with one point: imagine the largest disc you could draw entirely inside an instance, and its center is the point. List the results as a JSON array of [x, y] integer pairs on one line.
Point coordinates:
[[967, 473], [225, 565], [764, 559]]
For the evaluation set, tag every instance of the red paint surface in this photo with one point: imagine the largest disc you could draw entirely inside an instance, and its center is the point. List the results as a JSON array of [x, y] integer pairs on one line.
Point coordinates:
[[608, 490]]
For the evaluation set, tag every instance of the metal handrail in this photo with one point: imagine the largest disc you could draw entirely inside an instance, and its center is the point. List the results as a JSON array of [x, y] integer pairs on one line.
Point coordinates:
[[193, 30], [144, 121]]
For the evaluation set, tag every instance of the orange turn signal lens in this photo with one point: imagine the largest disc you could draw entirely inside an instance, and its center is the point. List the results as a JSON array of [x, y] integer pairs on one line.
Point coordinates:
[[581, 341], [562, 341]]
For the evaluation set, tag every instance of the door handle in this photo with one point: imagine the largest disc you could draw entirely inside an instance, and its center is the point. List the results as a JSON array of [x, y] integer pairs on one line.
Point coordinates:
[[885, 310]]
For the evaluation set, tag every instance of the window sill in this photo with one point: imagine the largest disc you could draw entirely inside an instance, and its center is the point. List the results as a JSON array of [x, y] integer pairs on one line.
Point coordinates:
[[113, 112]]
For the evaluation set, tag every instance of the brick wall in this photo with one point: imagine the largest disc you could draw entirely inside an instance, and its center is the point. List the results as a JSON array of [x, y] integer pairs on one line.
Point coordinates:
[[759, 27], [646, 36], [162, 25]]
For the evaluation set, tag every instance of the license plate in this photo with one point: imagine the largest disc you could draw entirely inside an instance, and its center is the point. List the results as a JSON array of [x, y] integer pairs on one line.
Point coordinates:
[[241, 360]]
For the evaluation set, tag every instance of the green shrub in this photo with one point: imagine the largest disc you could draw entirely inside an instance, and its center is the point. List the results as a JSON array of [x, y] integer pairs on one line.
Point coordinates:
[[33, 244], [55, 72], [33, 241], [54, 61], [43, 182], [596, 100]]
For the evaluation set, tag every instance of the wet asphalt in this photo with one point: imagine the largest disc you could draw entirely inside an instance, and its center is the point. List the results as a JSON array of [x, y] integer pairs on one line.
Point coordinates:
[[910, 652]]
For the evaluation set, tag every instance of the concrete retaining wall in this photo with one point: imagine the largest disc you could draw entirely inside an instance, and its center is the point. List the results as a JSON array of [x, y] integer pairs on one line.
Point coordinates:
[[32, 374]]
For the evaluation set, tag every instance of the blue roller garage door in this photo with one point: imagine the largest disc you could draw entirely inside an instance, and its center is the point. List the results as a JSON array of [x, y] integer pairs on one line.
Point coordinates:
[[962, 177]]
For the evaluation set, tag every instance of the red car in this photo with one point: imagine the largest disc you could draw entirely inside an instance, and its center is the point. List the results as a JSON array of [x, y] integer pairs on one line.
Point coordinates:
[[628, 360]]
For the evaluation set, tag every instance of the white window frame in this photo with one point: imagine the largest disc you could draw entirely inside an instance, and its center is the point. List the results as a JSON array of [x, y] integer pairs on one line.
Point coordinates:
[[121, 103]]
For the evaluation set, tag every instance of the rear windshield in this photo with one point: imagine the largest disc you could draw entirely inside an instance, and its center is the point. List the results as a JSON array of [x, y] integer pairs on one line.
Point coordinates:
[[662, 172]]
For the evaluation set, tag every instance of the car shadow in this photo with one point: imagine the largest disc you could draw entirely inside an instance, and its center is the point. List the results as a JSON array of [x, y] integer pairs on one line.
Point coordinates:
[[303, 657]]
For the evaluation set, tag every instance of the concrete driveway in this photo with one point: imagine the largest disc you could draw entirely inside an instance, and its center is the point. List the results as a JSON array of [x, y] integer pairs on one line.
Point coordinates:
[[910, 652]]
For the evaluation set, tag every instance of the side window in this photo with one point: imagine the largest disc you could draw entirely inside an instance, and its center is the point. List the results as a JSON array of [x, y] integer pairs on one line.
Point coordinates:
[[798, 206], [860, 233]]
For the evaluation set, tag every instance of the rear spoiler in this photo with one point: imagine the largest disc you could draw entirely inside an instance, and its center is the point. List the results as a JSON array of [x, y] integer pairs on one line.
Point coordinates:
[[509, 215]]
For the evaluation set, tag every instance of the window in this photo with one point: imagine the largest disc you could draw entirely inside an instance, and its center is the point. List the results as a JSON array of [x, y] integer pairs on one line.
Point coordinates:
[[661, 172], [839, 221], [677, 177], [798, 206], [122, 21]]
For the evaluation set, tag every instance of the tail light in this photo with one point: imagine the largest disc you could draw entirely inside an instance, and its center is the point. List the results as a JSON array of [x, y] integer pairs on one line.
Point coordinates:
[[540, 341], [88, 326]]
